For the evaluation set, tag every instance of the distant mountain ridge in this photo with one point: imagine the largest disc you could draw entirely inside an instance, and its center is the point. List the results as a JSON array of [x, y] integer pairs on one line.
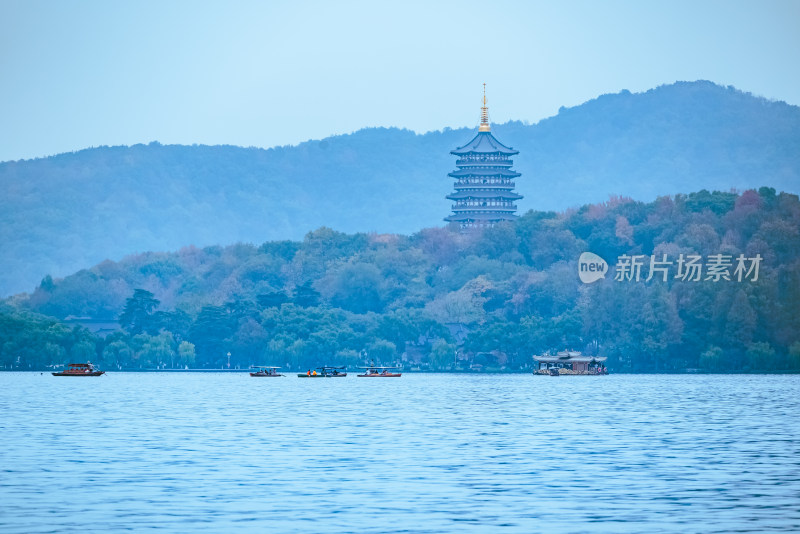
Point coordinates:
[[65, 212]]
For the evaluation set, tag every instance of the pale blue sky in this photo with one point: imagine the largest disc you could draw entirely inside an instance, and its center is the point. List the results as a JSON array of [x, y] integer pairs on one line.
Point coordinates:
[[88, 73]]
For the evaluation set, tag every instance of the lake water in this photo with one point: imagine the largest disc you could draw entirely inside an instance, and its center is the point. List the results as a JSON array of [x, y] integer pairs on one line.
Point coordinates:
[[221, 452]]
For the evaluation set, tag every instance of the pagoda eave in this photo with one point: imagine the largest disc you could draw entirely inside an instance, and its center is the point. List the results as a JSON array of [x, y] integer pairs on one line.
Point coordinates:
[[482, 217], [505, 195], [484, 143], [463, 173], [502, 186]]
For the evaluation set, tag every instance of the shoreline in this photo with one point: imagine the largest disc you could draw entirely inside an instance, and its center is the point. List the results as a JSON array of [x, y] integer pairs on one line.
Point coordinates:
[[417, 372]]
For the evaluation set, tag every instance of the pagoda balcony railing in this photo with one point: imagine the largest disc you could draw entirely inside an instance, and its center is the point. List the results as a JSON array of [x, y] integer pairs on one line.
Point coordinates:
[[458, 208], [482, 172], [484, 167], [476, 199], [483, 203], [474, 157], [477, 224], [494, 168], [464, 162], [507, 184]]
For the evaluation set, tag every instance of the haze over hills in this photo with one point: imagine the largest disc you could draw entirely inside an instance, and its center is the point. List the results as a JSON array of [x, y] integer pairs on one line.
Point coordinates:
[[70, 211]]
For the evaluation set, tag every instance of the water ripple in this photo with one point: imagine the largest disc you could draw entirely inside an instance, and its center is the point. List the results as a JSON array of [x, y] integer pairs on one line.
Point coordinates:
[[426, 453]]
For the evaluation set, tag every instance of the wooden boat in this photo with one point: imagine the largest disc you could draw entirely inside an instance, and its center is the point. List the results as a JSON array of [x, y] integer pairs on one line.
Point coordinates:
[[80, 369], [265, 370], [325, 372], [382, 372]]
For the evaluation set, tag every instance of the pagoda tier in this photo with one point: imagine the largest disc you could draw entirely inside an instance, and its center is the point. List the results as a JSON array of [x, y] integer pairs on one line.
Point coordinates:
[[479, 220], [482, 195]]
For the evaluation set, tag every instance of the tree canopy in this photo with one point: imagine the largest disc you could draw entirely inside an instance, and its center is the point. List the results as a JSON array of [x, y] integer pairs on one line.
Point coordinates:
[[441, 299]]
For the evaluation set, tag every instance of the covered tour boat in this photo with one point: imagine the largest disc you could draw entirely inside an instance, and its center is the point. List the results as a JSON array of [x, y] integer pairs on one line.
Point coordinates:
[[265, 370], [569, 362], [80, 369], [383, 372], [325, 372]]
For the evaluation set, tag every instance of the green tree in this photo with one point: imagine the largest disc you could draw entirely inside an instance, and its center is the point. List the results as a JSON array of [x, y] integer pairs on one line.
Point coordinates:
[[793, 360], [136, 315], [356, 287], [740, 325], [186, 355], [211, 334], [498, 241], [178, 322], [348, 358], [462, 306], [381, 351], [712, 359], [158, 351], [117, 354], [442, 354], [83, 351], [273, 299], [717, 202], [761, 357]]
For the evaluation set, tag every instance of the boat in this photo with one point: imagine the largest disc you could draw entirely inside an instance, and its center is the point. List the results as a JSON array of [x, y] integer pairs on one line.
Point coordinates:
[[80, 369], [569, 362], [325, 371], [378, 371], [265, 370]]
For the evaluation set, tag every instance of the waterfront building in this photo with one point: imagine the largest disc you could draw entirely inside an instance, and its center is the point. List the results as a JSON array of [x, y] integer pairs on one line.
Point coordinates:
[[484, 188]]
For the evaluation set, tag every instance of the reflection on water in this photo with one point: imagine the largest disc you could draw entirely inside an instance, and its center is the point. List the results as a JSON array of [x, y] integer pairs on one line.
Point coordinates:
[[199, 452]]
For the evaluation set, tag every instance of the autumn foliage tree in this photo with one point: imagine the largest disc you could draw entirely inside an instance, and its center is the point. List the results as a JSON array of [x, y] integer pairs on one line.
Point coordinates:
[[504, 293]]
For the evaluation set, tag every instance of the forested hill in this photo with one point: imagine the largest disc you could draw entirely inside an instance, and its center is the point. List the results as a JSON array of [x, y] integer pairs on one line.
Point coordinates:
[[65, 212], [717, 287]]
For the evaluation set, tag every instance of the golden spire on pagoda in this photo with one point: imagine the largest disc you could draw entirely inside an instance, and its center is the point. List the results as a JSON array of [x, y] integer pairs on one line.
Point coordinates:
[[484, 127]]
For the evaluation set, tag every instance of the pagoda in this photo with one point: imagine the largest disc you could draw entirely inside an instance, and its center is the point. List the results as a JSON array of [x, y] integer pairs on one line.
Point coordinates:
[[484, 183]]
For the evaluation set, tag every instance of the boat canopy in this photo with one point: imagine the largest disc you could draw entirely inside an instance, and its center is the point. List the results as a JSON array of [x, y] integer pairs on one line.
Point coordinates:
[[570, 358]]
